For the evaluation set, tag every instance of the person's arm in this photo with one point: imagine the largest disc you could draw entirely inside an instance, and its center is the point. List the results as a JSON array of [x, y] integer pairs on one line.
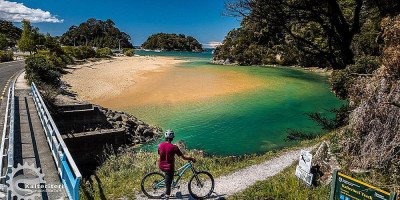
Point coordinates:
[[185, 157]]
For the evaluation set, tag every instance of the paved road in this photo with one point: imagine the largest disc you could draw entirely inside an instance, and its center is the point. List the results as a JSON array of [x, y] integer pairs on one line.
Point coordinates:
[[7, 70]]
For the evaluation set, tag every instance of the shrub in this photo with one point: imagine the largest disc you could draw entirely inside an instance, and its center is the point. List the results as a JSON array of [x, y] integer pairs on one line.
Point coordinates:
[[44, 52], [6, 56], [130, 52], [67, 59], [104, 52], [84, 52], [41, 70], [124, 50], [69, 50], [56, 62], [342, 80]]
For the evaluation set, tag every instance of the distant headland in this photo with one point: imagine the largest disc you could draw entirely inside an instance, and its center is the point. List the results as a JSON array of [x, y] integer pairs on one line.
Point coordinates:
[[172, 42]]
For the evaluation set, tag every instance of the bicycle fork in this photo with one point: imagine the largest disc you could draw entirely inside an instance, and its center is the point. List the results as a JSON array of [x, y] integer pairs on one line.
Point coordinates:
[[197, 178]]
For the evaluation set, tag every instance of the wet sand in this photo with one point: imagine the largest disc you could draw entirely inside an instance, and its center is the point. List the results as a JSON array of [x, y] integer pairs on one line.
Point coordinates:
[[147, 80]]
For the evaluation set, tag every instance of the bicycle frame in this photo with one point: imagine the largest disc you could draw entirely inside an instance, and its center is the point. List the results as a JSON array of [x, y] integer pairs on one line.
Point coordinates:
[[175, 182]]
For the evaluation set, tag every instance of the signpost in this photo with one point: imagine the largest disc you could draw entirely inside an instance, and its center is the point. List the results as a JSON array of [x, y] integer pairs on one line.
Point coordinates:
[[305, 161], [347, 188], [304, 167]]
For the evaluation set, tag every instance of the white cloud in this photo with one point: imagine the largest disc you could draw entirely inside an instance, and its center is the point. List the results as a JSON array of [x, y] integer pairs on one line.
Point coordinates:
[[212, 44], [16, 12]]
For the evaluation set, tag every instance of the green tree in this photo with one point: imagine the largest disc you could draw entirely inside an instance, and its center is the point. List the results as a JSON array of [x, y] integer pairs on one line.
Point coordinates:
[[96, 33], [52, 44], [12, 32], [3, 41], [172, 42], [316, 33], [27, 42]]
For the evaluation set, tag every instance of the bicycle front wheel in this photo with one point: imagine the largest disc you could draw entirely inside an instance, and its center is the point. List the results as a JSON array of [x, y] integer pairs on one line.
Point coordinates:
[[201, 185], [153, 185]]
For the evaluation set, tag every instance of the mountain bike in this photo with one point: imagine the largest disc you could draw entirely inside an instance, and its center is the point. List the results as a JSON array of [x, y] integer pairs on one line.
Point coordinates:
[[200, 185]]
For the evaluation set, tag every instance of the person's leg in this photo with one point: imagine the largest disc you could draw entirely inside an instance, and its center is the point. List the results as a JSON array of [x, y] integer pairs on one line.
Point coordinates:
[[169, 176]]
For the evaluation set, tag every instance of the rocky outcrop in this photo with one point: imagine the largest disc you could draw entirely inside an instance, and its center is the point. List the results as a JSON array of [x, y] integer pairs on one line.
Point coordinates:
[[138, 131], [373, 138], [223, 62], [323, 164]]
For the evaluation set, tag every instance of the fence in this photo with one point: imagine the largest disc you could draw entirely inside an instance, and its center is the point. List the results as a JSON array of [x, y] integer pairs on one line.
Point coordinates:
[[66, 166], [7, 149]]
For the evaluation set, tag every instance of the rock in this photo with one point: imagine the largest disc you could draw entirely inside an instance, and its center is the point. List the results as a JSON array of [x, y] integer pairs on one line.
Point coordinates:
[[140, 129], [133, 118], [182, 146], [200, 153], [118, 124], [148, 133], [131, 123], [117, 117], [323, 164], [125, 118]]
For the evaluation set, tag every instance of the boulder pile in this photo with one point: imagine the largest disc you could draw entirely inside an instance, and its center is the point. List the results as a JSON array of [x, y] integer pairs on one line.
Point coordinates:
[[138, 131]]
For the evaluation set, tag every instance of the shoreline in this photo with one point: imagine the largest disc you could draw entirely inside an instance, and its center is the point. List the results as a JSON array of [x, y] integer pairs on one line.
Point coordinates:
[[95, 80], [144, 80], [311, 69]]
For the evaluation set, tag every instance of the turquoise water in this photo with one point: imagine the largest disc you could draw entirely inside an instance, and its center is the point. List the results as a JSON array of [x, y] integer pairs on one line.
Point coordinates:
[[253, 121]]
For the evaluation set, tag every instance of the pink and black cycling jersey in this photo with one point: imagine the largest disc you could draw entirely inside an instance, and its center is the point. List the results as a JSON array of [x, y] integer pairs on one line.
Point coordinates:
[[167, 153]]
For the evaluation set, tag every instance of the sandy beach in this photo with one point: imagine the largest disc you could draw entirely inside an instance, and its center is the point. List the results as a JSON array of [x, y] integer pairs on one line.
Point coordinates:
[[142, 80], [108, 78]]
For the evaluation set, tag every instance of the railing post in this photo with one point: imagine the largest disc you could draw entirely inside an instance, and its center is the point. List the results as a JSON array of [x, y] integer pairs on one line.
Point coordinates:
[[76, 188]]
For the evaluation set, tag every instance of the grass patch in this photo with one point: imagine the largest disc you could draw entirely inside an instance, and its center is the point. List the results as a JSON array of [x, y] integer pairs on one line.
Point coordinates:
[[282, 187]]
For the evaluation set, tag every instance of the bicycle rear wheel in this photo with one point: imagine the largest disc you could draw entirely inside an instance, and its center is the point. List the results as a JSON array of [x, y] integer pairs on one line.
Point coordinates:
[[153, 185], [201, 185]]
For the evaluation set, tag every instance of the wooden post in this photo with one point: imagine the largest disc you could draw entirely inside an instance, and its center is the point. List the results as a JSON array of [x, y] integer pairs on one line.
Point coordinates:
[[333, 184]]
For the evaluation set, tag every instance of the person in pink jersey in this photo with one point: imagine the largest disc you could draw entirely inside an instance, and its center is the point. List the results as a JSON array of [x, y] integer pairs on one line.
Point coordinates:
[[166, 163]]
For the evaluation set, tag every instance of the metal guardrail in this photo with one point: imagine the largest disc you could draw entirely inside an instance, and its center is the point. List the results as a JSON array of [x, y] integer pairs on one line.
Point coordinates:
[[66, 166], [7, 149]]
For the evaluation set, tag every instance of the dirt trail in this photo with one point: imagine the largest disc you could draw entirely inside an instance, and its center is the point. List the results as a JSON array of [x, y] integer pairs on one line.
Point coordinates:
[[238, 181]]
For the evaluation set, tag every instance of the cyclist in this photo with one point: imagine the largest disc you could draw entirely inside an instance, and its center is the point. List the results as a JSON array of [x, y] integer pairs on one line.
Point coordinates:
[[166, 163]]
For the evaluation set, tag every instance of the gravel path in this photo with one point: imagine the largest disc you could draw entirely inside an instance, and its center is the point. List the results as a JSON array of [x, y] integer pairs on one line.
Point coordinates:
[[238, 181]]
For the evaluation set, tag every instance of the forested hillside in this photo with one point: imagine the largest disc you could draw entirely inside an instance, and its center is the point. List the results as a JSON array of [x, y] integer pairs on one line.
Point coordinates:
[[332, 33], [96, 33], [172, 42], [10, 32]]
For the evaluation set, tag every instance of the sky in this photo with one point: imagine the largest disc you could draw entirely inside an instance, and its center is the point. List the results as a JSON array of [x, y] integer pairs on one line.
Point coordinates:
[[201, 19]]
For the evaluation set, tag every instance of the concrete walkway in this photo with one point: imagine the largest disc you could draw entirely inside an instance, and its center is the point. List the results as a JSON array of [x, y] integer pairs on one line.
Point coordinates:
[[238, 181], [31, 146]]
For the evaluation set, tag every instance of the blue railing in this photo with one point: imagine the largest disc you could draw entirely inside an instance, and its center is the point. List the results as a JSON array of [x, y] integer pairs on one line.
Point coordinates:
[[67, 169], [7, 148]]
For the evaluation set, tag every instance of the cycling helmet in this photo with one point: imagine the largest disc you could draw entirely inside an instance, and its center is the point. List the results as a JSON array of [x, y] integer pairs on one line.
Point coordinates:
[[169, 134]]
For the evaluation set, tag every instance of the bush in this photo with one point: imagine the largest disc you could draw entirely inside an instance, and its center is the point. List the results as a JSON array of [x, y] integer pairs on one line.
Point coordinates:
[[67, 59], [104, 52], [44, 52], [56, 62], [41, 70], [124, 50], [342, 80], [6, 56], [84, 52], [130, 52], [69, 50]]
